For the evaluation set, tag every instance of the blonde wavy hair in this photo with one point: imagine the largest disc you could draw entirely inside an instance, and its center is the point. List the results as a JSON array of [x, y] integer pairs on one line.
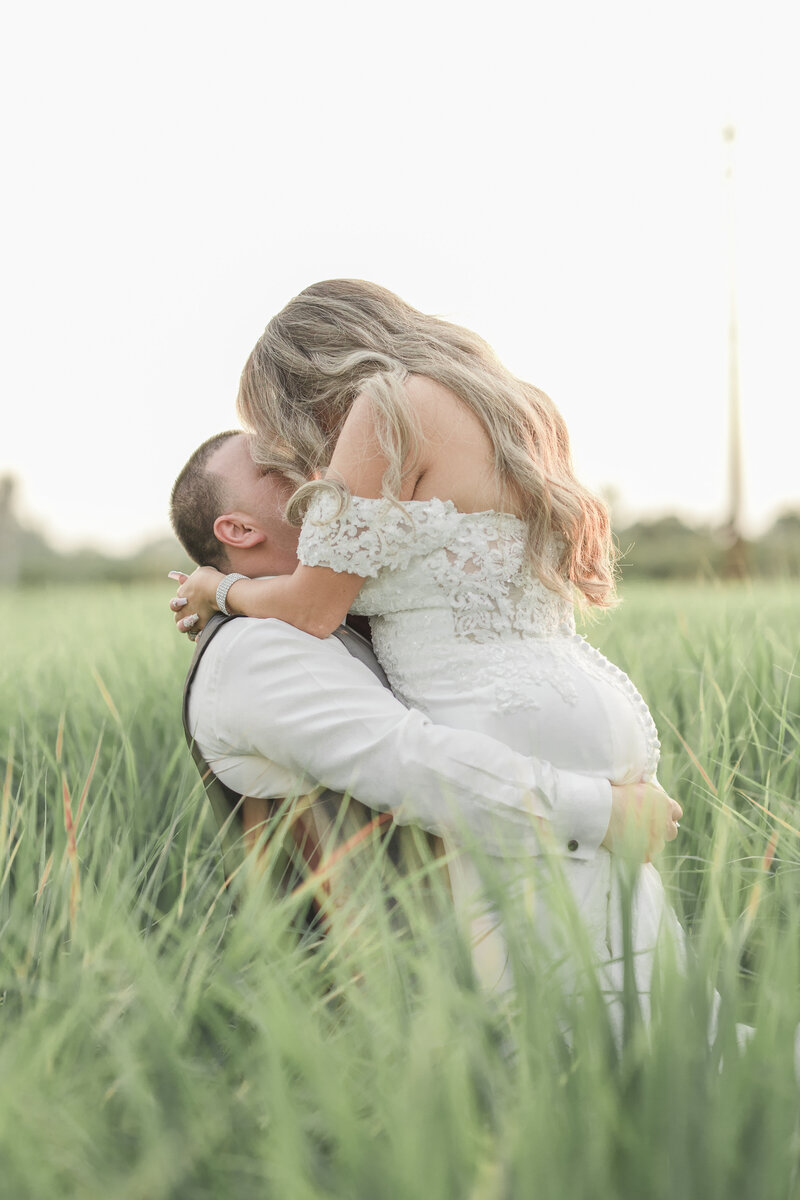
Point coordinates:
[[344, 337]]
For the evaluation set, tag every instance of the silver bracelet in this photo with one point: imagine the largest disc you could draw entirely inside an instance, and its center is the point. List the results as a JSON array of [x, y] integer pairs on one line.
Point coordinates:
[[223, 587]]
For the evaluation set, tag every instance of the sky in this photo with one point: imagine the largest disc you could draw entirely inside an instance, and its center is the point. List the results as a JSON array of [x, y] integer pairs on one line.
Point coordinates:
[[550, 175]]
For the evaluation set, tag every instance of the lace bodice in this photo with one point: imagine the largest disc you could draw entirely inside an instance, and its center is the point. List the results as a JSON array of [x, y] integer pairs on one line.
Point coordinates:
[[456, 606], [425, 553]]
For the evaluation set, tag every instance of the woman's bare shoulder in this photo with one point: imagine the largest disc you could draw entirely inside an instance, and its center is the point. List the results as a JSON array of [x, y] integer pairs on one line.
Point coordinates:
[[460, 459], [424, 392], [440, 411]]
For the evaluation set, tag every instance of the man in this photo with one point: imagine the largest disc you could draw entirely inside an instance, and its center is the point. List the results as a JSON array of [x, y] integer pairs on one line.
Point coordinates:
[[276, 712]]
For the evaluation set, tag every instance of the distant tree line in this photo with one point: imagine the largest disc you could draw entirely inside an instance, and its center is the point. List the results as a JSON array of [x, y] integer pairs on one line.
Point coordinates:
[[27, 556], [669, 549], [661, 549]]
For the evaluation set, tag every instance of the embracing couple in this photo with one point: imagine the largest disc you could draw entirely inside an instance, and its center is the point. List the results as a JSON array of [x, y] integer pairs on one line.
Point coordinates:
[[392, 468]]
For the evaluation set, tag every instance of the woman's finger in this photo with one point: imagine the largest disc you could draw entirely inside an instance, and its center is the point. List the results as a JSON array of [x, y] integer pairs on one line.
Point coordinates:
[[178, 576], [177, 603], [187, 623]]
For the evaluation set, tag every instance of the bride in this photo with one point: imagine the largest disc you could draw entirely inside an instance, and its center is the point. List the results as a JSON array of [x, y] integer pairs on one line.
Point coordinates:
[[437, 497]]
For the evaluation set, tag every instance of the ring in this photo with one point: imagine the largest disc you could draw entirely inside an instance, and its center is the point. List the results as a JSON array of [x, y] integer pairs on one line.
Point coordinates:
[[193, 636]]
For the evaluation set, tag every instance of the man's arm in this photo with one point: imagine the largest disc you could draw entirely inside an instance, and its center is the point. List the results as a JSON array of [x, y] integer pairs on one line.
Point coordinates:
[[277, 711]]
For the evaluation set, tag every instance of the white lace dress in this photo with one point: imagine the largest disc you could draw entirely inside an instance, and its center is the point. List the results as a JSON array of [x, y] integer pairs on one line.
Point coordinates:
[[467, 632]]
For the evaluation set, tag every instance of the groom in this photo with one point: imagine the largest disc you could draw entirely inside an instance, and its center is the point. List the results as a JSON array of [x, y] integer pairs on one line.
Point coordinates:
[[276, 712]]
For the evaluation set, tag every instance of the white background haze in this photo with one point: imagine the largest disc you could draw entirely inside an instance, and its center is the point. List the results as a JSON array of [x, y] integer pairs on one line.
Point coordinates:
[[548, 174]]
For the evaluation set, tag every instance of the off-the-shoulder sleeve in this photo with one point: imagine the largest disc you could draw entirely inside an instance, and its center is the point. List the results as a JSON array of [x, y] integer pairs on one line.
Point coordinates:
[[368, 536]]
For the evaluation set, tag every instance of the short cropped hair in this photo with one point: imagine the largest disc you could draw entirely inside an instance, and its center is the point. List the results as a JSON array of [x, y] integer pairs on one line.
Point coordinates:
[[197, 500]]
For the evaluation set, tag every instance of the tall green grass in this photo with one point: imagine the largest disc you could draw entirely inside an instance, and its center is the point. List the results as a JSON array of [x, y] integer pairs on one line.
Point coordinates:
[[158, 1042]]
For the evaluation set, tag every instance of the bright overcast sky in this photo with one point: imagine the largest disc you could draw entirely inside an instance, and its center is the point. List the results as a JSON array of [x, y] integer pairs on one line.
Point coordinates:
[[548, 174]]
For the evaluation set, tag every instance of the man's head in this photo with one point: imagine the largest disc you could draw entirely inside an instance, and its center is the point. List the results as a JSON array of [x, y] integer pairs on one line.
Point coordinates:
[[228, 514]]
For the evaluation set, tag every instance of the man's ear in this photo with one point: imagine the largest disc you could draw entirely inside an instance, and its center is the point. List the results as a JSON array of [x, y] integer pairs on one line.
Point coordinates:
[[238, 530]]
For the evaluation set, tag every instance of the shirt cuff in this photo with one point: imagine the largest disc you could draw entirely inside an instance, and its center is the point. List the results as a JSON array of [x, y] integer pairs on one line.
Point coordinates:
[[579, 821]]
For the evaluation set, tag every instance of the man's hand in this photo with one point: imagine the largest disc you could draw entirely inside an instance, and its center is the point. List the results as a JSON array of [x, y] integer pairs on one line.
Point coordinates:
[[196, 601], [643, 819]]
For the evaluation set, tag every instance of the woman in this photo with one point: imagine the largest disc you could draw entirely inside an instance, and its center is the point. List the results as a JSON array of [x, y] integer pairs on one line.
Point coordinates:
[[450, 515]]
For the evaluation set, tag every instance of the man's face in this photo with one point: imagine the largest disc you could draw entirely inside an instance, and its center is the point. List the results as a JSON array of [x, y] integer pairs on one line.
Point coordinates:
[[255, 501]]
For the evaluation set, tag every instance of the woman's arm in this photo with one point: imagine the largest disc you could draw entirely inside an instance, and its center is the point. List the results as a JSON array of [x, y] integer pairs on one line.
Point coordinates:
[[314, 599]]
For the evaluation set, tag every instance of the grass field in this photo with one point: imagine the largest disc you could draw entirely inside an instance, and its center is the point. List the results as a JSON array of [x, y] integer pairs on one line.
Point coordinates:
[[158, 1044]]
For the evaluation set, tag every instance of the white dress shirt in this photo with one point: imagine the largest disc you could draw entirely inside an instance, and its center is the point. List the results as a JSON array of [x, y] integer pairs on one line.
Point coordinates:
[[277, 712]]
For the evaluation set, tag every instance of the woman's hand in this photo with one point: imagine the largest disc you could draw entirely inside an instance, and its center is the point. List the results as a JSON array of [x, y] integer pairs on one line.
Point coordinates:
[[196, 601], [643, 819]]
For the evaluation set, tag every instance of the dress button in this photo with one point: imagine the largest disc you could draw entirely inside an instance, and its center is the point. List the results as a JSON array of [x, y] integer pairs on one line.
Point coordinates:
[[572, 845]]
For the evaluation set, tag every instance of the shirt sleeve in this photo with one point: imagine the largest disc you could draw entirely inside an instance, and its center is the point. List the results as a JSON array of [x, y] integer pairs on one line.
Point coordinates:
[[275, 711]]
